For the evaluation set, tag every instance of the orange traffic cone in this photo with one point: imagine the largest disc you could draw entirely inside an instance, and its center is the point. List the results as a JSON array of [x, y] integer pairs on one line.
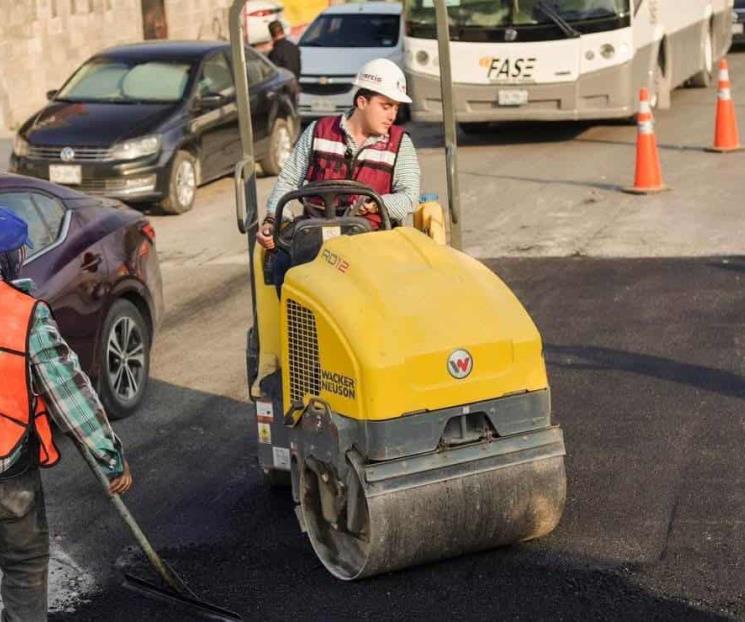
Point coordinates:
[[726, 136], [648, 177]]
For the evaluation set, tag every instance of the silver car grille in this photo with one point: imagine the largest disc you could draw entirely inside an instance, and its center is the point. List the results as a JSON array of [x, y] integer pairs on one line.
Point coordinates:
[[81, 154]]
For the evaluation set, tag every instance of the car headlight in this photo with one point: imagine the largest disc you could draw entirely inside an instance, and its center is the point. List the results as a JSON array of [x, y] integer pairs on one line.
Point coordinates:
[[136, 148], [20, 146]]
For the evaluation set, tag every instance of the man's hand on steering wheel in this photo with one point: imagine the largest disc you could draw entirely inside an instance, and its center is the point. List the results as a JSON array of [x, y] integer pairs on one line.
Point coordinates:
[[365, 206]]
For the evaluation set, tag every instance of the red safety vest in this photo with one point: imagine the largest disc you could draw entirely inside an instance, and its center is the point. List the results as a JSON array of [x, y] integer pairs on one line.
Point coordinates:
[[373, 165], [21, 412]]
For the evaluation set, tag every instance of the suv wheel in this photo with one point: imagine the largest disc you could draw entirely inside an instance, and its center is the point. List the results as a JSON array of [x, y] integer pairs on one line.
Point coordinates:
[[124, 353], [182, 187], [280, 148]]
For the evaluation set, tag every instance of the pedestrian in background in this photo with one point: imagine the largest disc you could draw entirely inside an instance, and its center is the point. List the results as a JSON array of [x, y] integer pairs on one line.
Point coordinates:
[[284, 52], [41, 377]]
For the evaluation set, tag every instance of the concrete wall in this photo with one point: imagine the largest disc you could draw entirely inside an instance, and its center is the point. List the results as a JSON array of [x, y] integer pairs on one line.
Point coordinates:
[[197, 19], [43, 41]]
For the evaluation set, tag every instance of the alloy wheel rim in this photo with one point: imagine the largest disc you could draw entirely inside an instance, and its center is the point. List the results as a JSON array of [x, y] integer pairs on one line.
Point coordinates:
[[185, 183], [125, 356], [284, 146]]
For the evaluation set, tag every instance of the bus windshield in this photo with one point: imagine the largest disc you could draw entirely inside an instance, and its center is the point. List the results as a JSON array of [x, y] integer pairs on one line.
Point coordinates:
[[487, 14]]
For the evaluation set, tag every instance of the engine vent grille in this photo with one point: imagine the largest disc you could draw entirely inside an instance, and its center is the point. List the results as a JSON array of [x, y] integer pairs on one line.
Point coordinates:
[[305, 366]]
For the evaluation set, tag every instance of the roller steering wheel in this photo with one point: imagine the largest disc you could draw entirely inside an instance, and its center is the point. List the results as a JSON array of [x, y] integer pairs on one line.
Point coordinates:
[[329, 192]]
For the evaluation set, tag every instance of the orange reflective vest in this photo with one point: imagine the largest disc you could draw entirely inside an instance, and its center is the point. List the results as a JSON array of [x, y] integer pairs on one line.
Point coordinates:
[[21, 412]]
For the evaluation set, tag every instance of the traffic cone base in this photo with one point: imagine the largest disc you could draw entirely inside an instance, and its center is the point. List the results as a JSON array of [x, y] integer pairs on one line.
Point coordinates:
[[724, 149], [635, 190]]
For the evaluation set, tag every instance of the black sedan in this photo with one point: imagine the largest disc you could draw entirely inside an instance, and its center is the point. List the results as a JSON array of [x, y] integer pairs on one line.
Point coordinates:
[[152, 121], [94, 261]]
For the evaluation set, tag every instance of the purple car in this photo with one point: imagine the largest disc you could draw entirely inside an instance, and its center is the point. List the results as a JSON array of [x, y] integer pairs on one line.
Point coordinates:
[[94, 261]]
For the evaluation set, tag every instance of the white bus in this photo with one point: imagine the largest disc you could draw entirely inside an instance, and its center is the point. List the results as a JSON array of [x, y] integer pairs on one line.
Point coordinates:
[[546, 60]]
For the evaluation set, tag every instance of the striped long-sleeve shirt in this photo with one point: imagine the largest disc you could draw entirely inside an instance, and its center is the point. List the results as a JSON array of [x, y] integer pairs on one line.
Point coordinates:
[[406, 174], [70, 398]]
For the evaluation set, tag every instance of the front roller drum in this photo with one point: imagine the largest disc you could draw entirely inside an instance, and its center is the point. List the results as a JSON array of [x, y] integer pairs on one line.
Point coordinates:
[[432, 521]]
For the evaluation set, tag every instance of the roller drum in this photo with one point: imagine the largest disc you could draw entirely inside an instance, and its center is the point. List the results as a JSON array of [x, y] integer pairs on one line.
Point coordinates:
[[429, 521]]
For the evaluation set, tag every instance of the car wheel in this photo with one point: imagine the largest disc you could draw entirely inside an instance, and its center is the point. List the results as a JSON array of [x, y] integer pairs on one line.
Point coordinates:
[[124, 355], [182, 186], [280, 148], [705, 77]]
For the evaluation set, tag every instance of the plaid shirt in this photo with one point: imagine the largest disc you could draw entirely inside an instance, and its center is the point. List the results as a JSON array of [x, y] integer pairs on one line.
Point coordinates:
[[69, 395]]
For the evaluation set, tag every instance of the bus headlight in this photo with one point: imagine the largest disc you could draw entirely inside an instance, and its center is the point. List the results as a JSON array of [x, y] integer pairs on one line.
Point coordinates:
[[422, 57], [607, 51]]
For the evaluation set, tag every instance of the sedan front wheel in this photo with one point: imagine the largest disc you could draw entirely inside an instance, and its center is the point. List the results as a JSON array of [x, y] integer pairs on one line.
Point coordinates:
[[182, 186]]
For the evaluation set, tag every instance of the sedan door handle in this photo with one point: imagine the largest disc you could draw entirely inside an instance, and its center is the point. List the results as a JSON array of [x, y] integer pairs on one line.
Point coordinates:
[[91, 262]]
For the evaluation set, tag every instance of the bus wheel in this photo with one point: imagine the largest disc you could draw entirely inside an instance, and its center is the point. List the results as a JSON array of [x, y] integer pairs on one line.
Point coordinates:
[[474, 128], [660, 82], [705, 77]]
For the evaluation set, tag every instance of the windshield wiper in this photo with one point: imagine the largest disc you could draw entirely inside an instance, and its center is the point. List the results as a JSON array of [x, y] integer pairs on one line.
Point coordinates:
[[556, 17]]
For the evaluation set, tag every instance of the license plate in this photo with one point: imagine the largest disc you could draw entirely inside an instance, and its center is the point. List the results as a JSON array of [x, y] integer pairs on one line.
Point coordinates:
[[65, 174], [322, 105], [513, 98], [738, 29]]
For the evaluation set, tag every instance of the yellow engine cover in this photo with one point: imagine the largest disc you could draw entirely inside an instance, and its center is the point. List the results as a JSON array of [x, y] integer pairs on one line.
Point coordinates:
[[389, 323]]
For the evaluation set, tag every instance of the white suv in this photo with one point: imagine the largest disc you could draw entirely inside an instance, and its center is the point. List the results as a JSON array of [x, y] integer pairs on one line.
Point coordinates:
[[336, 45]]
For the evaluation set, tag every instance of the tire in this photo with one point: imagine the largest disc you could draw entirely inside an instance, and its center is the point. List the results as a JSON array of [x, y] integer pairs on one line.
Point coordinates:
[[471, 129], [705, 77], [182, 186], [274, 478], [252, 357], [122, 383], [660, 87], [280, 147]]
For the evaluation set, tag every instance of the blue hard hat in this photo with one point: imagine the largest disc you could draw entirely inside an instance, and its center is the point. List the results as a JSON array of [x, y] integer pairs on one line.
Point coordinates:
[[13, 231]]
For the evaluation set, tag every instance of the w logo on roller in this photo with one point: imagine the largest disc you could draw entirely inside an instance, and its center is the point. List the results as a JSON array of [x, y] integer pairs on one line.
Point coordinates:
[[460, 364]]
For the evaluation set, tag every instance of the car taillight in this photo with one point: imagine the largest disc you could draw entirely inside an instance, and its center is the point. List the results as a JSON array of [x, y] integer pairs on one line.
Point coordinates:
[[262, 13], [148, 231]]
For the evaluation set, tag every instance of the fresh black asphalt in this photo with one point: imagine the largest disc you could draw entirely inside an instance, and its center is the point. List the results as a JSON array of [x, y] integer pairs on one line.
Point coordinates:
[[647, 372]]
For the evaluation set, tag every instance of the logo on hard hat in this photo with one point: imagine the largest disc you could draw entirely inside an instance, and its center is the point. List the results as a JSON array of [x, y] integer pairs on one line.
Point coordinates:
[[371, 77], [460, 364], [67, 154]]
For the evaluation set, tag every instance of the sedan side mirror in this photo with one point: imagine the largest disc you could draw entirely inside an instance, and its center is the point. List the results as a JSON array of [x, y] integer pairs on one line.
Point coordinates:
[[51, 94], [211, 101]]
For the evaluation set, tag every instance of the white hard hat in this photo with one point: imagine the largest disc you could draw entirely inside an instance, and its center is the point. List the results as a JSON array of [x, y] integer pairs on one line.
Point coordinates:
[[385, 77]]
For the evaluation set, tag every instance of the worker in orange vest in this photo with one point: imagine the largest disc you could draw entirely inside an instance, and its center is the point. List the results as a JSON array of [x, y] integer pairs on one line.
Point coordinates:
[[41, 378]]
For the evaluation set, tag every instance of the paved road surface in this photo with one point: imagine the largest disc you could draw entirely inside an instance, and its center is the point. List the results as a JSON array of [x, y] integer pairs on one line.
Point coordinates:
[[645, 360]]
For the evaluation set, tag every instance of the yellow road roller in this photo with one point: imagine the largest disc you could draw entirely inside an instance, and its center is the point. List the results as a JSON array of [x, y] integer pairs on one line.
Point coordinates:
[[399, 385]]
